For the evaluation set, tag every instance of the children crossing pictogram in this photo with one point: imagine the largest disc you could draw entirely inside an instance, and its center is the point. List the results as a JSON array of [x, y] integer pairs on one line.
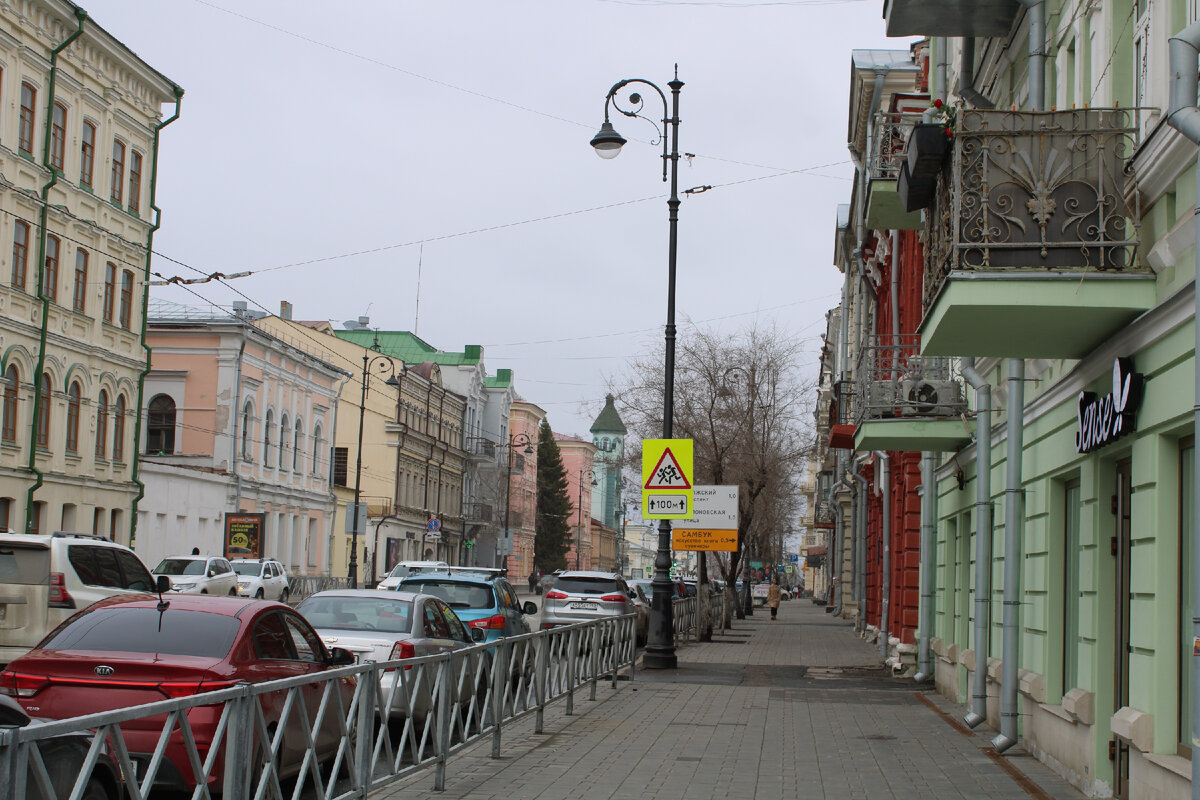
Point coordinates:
[[667, 474]]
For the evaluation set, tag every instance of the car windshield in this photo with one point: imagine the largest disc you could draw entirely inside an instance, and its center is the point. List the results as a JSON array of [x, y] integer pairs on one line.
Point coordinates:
[[456, 593], [122, 629], [180, 566], [250, 568], [576, 584], [351, 613]]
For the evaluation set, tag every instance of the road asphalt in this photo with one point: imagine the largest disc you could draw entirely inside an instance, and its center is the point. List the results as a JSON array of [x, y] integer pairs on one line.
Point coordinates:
[[795, 708]]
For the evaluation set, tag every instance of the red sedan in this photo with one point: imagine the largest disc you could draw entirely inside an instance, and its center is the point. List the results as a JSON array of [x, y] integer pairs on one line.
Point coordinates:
[[125, 651]]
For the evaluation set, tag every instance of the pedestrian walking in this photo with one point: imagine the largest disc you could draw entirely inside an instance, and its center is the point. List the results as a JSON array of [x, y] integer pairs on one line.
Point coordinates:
[[774, 595], [533, 579]]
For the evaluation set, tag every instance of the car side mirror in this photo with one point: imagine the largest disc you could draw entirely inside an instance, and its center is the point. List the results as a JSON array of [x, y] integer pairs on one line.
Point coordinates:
[[340, 657], [529, 608], [478, 634], [162, 584]]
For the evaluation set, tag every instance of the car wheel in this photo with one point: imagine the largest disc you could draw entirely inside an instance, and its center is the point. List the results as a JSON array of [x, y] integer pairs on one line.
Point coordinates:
[[95, 789], [258, 595], [233, 592], [283, 596], [204, 591]]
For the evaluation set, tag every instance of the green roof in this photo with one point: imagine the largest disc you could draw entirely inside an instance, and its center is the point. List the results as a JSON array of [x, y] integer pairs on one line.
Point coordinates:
[[410, 348], [501, 380], [609, 421]]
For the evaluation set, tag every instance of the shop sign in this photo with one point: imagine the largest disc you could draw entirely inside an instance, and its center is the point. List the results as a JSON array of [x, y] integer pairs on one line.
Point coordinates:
[[1103, 420]]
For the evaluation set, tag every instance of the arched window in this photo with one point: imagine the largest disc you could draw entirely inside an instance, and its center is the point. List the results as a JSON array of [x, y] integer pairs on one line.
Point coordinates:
[[119, 429], [318, 456], [43, 426], [8, 427], [247, 438], [284, 436], [268, 424], [160, 425], [102, 425], [73, 419], [298, 447]]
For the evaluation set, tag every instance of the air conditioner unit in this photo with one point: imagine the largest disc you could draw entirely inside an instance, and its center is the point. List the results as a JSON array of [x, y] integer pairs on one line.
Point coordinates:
[[881, 399], [931, 398]]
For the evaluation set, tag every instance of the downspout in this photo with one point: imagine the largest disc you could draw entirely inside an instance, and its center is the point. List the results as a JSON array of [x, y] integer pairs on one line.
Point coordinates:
[[39, 479], [966, 77], [1015, 424], [837, 533], [939, 87], [925, 579], [137, 426], [236, 450], [1013, 531], [884, 622], [1184, 116], [894, 269], [863, 496], [329, 475], [983, 538]]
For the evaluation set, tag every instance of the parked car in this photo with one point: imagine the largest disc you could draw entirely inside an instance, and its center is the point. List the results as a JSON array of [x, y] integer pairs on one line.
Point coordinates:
[[125, 651], [642, 591], [482, 598], [263, 578], [198, 574], [582, 595], [677, 590], [45, 579], [387, 625], [63, 756], [545, 582], [406, 569]]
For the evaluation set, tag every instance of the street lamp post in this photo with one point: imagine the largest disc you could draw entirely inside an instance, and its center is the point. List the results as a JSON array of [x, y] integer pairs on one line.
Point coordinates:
[[579, 533], [660, 646], [514, 440], [369, 363]]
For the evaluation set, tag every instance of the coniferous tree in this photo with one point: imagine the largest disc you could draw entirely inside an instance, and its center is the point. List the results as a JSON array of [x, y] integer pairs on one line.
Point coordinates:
[[551, 531]]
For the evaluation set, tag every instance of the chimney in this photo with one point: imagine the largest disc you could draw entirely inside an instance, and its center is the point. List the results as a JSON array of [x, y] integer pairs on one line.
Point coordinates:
[[239, 308], [285, 310]]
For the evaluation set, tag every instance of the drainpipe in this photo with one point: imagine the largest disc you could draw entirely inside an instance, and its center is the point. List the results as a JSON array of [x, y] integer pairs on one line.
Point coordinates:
[[137, 429], [884, 621], [833, 554], [1013, 531], [1037, 53], [924, 657], [337, 397], [863, 496], [235, 449], [1184, 117], [894, 269], [966, 77], [983, 538], [939, 85], [81, 16]]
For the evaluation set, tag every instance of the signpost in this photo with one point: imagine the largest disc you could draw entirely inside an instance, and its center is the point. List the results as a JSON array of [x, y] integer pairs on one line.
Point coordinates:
[[667, 478]]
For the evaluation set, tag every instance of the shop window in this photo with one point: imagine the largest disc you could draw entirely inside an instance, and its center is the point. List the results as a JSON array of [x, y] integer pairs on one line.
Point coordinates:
[[1070, 610], [1187, 507]]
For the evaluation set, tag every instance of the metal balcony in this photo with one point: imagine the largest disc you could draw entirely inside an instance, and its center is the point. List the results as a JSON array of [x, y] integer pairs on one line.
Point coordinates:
[[481, 447], [1032, 243], [841, 415], [907, 401], [889, 149], [476, 513]]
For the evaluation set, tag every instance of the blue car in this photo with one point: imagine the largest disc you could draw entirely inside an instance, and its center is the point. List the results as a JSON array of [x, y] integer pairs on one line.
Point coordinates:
[[480, 596]]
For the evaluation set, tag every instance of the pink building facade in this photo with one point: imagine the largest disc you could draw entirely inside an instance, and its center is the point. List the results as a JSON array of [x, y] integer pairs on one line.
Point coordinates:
[[578, 457], [521, 510]]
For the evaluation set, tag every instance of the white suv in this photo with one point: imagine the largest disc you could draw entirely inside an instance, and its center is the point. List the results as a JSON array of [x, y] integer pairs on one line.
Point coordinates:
[[46, 578], [198, 574], [261, 578]]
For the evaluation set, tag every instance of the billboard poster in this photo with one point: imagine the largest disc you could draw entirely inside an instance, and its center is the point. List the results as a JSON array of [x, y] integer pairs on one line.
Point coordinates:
[[244, 535]]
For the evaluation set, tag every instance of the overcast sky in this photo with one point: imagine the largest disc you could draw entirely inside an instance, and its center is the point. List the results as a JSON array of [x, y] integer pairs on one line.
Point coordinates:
[[344, 134]]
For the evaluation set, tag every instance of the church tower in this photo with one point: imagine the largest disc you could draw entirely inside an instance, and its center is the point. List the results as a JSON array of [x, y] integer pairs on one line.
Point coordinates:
[[608, 435]]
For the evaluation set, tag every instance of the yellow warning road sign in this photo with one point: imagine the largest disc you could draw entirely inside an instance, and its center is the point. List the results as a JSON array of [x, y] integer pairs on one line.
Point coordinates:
[[666, 478]]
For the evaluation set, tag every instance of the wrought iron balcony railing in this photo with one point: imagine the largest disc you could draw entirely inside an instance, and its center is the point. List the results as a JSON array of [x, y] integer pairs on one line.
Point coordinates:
[[841, 403], [478, 512], [481, 447], [893, 380], [1039, 191], [890, 145]]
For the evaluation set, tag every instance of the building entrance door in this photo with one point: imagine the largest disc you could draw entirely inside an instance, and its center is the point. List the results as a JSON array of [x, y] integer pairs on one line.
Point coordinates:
[[1120, 548]]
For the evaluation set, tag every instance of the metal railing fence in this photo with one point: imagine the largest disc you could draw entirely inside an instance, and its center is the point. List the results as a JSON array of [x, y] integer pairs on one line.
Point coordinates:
[[301, 586]]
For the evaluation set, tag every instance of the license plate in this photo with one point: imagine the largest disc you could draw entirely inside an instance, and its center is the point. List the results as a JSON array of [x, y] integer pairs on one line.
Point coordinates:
[[584, 606]]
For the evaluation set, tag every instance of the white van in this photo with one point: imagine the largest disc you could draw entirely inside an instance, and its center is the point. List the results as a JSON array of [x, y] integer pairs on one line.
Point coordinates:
[[405, 569]]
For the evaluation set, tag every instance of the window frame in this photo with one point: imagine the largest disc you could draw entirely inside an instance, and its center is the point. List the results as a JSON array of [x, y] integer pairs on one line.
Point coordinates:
[[135, 180], [79, 294], [268, 423], [9, 405], [127, 299], [73, 409], [58, 136], [102, 425], [20, 257], [28, 114], [42, 440], [160, 425], [110, 291], [118, 172], [118, 448], [50, 270], [87, 154]]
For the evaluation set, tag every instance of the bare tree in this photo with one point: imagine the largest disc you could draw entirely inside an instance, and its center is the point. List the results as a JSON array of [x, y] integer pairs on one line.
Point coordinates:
[[745, 403]]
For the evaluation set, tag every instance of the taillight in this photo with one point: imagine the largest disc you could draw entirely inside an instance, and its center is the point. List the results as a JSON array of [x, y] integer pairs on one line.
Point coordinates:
[[401, 650], [614, 598], [16, 684], [492, 623], [59, 597], [555, 595], [178, 690]]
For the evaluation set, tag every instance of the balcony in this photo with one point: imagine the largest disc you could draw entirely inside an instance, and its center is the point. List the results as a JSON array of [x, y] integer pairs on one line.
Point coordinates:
[[889, 150], [477, 513], [480, 447], [1033, 241], [983, 18], [907, 401], [841, 416]]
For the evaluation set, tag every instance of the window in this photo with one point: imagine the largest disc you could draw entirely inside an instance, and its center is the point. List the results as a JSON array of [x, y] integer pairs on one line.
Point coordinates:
[[79, 297], [102, 425], [135, 180], [110, 289], [270, 423], [160, 425], [35, 521], [283, 442], [58, 136], [119, 429], [87, 153], [126, 299], [6, 513], [118, 170], [50, 275], [298, 447], [317, 451], [1070, 611], [340, 458], [8, 423], [1187, 501], [20, 258], [272, 640], [25, 134], [247, 439], [43, 424], [73, 421]]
